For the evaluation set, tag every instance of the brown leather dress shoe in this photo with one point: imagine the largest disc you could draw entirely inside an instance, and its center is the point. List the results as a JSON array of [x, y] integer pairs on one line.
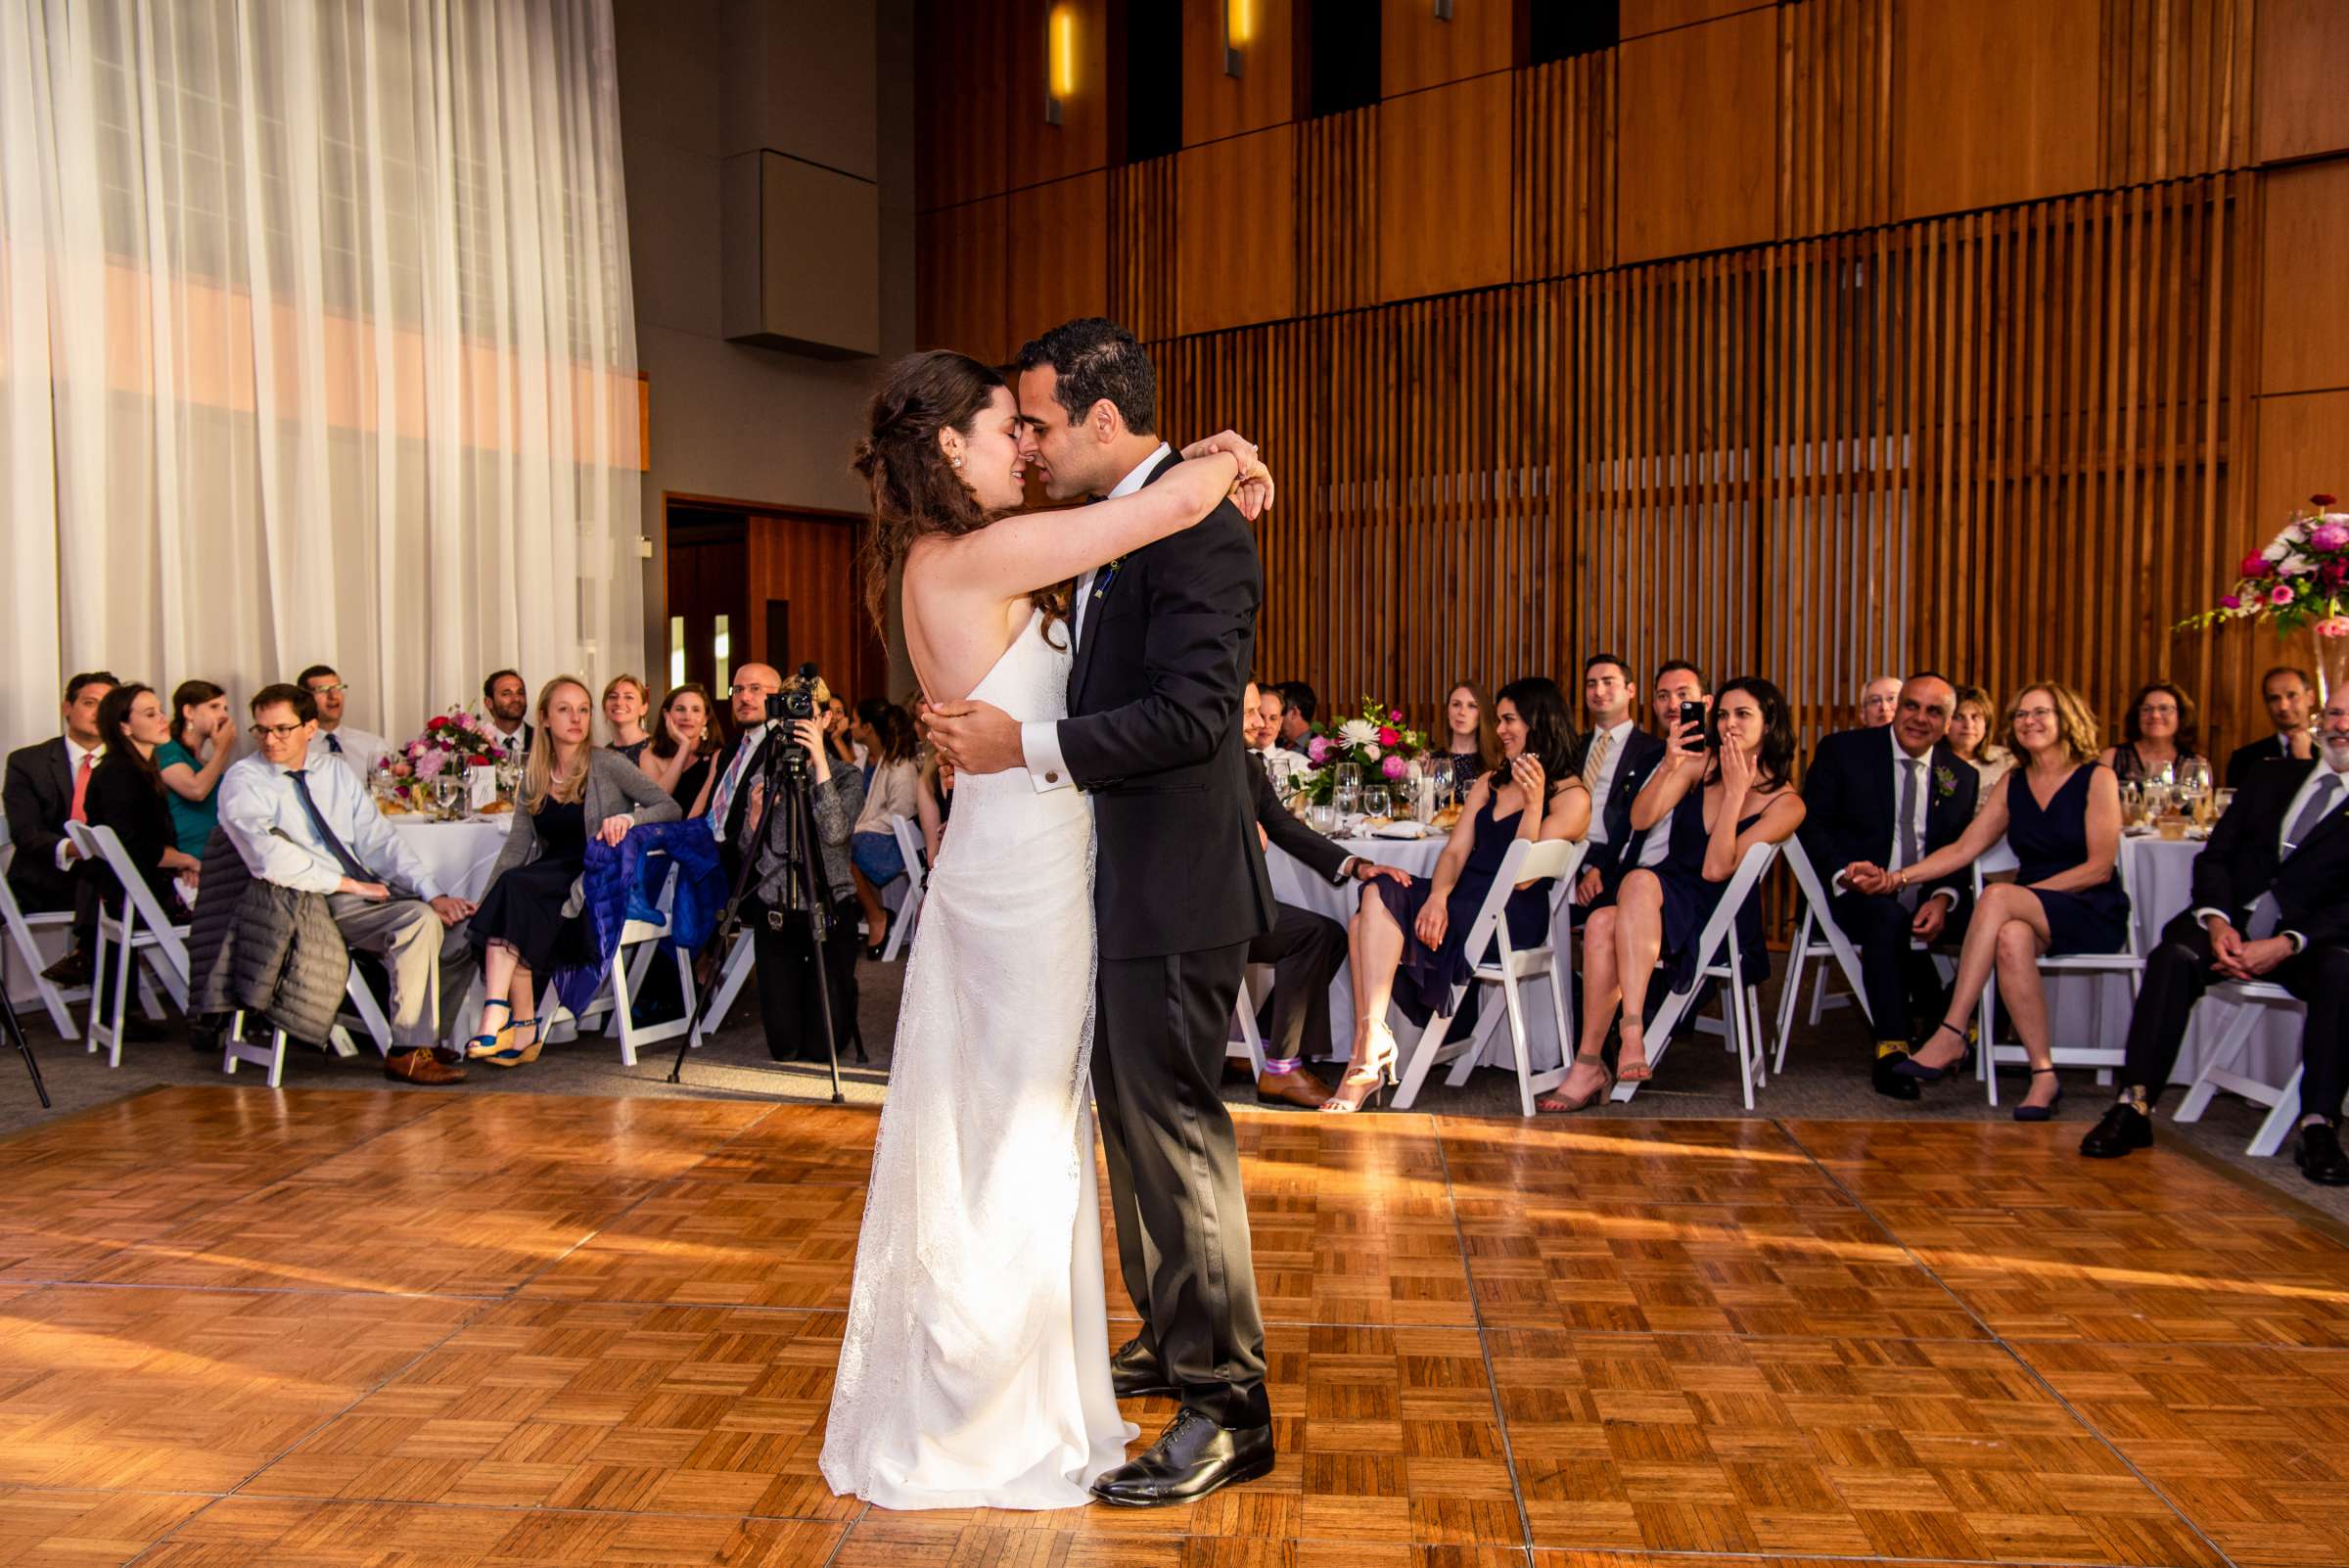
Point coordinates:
[[424, 1065], [1296, 1086]]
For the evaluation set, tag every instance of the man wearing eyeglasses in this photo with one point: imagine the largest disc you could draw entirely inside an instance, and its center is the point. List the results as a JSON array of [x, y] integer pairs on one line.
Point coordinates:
[[309, 826], [348, 744]]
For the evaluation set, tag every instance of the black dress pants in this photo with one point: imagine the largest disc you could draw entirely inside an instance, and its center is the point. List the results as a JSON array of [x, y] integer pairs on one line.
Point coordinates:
[[1305, 952], [1160, 1030], [1904, 988], [2178, 972], [789, 1004]]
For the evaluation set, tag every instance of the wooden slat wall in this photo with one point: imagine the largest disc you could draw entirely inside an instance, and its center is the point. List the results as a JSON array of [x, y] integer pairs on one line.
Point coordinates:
[[1977, 380]]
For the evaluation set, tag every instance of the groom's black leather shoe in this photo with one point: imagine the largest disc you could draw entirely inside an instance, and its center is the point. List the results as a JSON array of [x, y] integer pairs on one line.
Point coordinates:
[[1192, 1458], [1135, 1374]]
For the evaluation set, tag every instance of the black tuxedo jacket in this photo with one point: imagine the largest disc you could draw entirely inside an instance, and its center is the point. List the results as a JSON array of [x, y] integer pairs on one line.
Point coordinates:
[[2240, 862], [1642, 751], [2244, 759], [39, 797], [1851, 801], [1153, 734], [1284, 830]]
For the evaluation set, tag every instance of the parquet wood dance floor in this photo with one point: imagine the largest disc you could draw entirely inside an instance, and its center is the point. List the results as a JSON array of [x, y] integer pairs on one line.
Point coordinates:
[[344, 1330]]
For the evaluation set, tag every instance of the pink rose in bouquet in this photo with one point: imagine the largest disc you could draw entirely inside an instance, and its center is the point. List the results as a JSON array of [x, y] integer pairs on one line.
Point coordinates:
[[2256, 565], [429, 764], [2332, 537], [1318, 749], [1389, 736], [1393, 716], [2280, 595], [2333, 626], [1394, 767]]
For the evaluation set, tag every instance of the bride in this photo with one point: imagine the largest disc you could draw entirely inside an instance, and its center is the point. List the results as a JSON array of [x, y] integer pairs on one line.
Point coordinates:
[[974, 1367]]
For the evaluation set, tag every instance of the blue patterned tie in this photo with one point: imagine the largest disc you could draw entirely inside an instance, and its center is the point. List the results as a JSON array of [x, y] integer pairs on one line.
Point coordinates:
[[326, 835]]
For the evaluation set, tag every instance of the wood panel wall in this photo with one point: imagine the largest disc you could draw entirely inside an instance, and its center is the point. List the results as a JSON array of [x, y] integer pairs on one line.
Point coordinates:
[[1821, 339]]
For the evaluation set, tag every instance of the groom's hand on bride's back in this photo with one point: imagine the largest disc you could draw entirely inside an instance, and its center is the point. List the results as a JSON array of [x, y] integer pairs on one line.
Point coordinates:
[[975, 737]]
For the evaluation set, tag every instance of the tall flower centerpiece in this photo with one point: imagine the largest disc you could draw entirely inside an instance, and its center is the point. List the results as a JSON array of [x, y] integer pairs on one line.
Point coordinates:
[[1375, 740], [2298, 582]]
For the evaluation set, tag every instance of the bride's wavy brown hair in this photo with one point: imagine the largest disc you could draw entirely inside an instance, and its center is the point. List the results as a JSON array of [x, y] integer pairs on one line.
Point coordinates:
[[915, 490]]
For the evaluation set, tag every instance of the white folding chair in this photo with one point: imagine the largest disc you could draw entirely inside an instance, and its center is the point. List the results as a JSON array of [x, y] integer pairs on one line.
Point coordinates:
[[139, 932], [1816, 937], [2247, 1002], [2128, 964], [731, 976], [1250, 1041], [909, 845], [1507, 967], [23, 940], [235, 1047], [613, 1000], [1720, 959]]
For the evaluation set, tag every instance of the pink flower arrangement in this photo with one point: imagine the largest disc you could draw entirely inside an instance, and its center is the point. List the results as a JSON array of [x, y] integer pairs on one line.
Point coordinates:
[[1375, 740], [2299, 579], [2333, 626], [456, 739], [1394, 767]]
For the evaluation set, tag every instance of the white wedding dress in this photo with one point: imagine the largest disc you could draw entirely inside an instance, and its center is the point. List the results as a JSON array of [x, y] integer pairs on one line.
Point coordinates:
[[974, 1369]]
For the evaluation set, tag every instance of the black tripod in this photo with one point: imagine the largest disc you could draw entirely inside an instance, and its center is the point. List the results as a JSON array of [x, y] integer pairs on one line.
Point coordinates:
[[16, 1036], [787, 838]]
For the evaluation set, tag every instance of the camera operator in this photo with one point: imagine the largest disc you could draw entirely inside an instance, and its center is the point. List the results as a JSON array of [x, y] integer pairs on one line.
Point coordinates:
[[789, 1004]]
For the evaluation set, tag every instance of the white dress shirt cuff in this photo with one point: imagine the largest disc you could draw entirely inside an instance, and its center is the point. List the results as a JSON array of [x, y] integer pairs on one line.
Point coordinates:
[[2202, 917], [64, 855], [1950, 894], [2299, 942], [1346, 868], [1039, 742]]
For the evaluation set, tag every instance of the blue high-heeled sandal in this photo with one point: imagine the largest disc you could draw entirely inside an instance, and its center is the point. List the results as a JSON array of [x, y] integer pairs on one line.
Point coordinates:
[[1910, 1066], [520, 1052], [484, 1046], [2041, 1113]]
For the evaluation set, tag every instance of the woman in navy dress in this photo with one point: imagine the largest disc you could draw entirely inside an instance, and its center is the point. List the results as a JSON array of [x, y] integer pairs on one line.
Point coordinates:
[[1407, 941], [2062, 815], [1744, 799]]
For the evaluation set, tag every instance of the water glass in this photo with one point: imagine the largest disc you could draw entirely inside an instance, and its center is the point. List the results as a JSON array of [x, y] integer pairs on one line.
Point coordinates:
[[1348, 796], [1378, 800], [1350, 775]]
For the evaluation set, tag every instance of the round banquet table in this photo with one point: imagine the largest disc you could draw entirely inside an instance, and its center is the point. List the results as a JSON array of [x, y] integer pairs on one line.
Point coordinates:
[[460, 854], [1293, 883], [2161, 872]]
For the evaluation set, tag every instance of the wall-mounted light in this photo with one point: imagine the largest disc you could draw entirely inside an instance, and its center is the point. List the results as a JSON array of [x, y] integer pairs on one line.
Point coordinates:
[[1240, 29], [1442, 10], [1060, 60]]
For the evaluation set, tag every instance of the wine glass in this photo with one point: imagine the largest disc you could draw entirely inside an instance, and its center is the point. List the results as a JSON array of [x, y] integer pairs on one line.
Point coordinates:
[[1378, 800]]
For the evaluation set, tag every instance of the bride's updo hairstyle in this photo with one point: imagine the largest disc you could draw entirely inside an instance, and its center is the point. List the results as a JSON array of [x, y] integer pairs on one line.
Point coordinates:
[[915, 489]]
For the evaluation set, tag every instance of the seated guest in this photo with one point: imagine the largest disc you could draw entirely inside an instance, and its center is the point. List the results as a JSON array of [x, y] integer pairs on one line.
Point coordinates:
[[790, 1007], [2062, 815], [933, 803], [1261, 729], [1409, 939], [684, 743], [840, 734], [505, 700], [353, 747], [2270, 901], [1709, 801], [2290, 697], [1970, 726], [1616, 761], [1678, 681], [1469, 739], [886, 734], [126, 794], [2157, 737], [46, 785], [1879, 699], [1297, 708], [1869, 801], [1304, 949], [203, 742], [315, 830], [533, 920], [626, 705]]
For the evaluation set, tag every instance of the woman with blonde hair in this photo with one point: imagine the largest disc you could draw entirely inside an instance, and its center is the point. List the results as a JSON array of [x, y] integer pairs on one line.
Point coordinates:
[[2062, 815], [626, 701], [531, 920]]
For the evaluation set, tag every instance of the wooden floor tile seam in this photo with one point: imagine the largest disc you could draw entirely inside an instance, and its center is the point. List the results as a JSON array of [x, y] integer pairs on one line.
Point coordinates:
[[2009, 1351], [1484, 1347], [160, 1543]]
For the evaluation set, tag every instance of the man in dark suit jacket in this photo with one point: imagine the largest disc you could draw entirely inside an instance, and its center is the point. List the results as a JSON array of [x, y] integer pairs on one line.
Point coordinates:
[[2290, 696], [1617, 759], [1163, 638], [44, 782], [2270, 903], [1860, 784], [1304, 949]]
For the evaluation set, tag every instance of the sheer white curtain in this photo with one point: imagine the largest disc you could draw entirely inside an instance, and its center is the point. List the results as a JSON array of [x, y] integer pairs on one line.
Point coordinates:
[[315, 345]]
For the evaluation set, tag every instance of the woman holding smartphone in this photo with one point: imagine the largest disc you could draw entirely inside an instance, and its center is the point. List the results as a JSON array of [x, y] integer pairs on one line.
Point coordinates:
[[1409, 939], [1712, 802]]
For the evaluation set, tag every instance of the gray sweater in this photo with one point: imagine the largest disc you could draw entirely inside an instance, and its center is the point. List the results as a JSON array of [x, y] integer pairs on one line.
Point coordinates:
[[615, 787]]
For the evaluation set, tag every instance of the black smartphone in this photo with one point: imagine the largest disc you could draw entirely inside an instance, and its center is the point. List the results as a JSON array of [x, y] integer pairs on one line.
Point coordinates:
[[1694, 713]]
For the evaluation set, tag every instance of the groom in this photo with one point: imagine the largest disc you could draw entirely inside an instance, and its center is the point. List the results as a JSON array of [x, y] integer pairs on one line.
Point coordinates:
[[1163, 644]]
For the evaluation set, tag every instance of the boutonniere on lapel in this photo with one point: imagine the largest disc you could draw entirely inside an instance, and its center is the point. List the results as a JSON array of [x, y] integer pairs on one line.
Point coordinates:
[[1105, 576], [1945, 783]]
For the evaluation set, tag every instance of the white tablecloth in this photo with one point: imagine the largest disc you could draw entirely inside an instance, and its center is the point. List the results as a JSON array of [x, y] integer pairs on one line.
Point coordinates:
[[2161, 873], [1293, 883], [459, 853]]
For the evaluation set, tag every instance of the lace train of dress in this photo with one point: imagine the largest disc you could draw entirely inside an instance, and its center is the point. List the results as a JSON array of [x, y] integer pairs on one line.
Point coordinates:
[[974, 1369]]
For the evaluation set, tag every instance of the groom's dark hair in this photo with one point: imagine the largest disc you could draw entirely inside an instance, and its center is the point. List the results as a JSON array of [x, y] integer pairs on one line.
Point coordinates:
[[1093, 359]]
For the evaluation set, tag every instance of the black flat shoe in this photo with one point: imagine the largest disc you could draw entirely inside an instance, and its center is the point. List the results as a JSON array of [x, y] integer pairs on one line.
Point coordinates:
[[2039, 1113], [2319, 1155], [1191, 1458], [1885, 1074], [1135, 1373], [2124, 1128]]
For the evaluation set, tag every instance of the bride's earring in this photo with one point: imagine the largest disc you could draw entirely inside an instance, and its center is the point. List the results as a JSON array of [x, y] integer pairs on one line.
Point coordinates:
[[957, 462]]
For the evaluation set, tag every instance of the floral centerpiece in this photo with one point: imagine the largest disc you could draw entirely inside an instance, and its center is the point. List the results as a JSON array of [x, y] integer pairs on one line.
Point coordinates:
[[2298, 582], [1376, 740], [451, 745]]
